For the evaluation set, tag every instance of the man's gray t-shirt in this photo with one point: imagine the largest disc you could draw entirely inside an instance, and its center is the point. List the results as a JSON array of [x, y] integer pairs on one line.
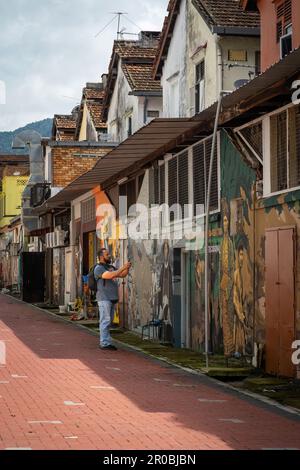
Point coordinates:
[[107, 289]]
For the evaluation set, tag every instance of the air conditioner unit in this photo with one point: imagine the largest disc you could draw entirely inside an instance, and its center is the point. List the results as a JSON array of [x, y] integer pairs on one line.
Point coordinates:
[[49, 240], [286, 45], [33, 247], [53, 240], [60, 238]]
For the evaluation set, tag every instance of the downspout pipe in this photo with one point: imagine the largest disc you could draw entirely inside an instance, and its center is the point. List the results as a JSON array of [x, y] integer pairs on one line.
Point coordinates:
[[219, 75], [207, 277]]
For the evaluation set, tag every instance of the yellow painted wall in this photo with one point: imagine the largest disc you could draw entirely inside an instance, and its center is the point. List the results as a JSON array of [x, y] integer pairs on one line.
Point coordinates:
[[12, 189], [83, 129]]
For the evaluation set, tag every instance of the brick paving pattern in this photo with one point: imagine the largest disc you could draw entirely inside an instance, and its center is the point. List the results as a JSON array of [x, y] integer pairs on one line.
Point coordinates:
[[59, 391]]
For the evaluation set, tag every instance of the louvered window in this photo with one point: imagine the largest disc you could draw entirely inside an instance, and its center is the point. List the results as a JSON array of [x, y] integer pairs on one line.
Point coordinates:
[[284, 18], [159, 185], [156, 185], [88, 210], [294, 146], [183, 179], [201, 163], [162, 185], [279, 152], [285, 150], [173, 185]]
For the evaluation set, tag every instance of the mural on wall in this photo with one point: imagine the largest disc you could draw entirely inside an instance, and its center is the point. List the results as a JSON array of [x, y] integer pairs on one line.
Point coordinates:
[[239, 333], [226, 284], [165, 286], [237, 252]]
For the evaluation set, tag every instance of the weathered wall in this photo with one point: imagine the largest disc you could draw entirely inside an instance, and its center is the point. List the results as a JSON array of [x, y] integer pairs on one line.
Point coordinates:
[[201, 44], [122, 106], [192, 41], [238, 70], [83, 128], [174, 70]]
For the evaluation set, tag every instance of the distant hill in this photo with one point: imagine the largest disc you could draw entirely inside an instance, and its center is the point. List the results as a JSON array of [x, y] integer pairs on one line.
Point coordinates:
[[44, 128]]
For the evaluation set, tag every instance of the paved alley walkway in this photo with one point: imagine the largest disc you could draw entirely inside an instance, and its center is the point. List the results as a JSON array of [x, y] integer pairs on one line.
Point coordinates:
[[59, 391]]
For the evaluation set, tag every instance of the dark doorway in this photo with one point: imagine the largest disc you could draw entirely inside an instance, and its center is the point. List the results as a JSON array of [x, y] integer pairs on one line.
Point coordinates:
[[33, 277]]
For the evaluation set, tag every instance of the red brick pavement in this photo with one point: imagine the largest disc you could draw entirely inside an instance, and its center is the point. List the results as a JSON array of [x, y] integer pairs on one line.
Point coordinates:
[[59, 391]]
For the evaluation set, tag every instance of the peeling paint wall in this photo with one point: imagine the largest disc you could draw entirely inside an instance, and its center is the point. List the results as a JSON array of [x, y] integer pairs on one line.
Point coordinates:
[[175, 98], [122, 106], [192, 41]]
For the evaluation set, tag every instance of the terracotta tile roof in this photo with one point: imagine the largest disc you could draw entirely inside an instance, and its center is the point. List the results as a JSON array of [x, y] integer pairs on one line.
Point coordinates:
[[227, 13], [93, 93], [66, 137], [133, 49], [95, 110], [140, 77], [133, 52], [64, 121]]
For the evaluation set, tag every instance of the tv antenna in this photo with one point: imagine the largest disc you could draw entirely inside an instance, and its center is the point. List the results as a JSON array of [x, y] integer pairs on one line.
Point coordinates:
[[118, 15]]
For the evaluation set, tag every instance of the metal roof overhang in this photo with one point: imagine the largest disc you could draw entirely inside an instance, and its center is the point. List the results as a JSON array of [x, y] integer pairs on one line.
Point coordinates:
[[150, 142], [162, 136]]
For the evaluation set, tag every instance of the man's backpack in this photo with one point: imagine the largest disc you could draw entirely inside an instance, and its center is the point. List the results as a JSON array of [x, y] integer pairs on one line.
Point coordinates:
[[92, 283]]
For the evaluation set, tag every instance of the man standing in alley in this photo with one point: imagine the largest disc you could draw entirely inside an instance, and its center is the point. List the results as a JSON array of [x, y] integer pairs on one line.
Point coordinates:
[[107, 277]]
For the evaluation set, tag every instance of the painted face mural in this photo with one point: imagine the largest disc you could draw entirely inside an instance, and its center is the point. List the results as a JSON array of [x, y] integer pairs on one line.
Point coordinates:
[[239, 334], [165, 286], [226, 286]]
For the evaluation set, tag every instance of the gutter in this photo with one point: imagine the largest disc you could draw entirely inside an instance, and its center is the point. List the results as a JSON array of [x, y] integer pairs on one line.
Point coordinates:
[[146, 93], [84, 144], [235, 31]]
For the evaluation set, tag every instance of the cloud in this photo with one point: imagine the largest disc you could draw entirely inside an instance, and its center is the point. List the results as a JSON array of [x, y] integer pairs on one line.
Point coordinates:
[[48, 51]]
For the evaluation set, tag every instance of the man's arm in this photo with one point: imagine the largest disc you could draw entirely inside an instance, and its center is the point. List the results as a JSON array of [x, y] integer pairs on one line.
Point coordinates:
[[120, 273], [124, 273]]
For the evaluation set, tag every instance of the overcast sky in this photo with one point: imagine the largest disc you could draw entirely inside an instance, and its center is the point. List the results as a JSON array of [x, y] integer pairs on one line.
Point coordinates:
[[48, 51]]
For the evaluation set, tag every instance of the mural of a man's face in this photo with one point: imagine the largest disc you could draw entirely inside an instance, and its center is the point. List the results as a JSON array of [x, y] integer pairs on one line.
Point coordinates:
[[241, 257], [225, 224]]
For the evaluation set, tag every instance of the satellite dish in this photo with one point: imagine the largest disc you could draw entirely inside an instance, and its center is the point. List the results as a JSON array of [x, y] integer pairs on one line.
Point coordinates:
[[240, 83]]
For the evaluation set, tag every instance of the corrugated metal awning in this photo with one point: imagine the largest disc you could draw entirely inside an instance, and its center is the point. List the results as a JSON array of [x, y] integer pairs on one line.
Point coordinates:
[[150, 142], [162, 136]]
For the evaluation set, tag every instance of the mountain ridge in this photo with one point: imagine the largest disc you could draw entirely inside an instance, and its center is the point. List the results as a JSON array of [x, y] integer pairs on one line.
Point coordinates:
[[43, 127]]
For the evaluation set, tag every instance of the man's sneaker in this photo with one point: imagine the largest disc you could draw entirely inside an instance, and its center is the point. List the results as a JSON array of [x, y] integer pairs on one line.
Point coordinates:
[[110, 347]]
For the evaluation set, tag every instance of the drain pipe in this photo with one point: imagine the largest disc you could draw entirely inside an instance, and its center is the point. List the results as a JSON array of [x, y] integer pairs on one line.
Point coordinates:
[[207, 277]]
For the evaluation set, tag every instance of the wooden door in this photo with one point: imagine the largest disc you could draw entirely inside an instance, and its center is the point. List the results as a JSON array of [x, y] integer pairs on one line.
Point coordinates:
[[280, 301]]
